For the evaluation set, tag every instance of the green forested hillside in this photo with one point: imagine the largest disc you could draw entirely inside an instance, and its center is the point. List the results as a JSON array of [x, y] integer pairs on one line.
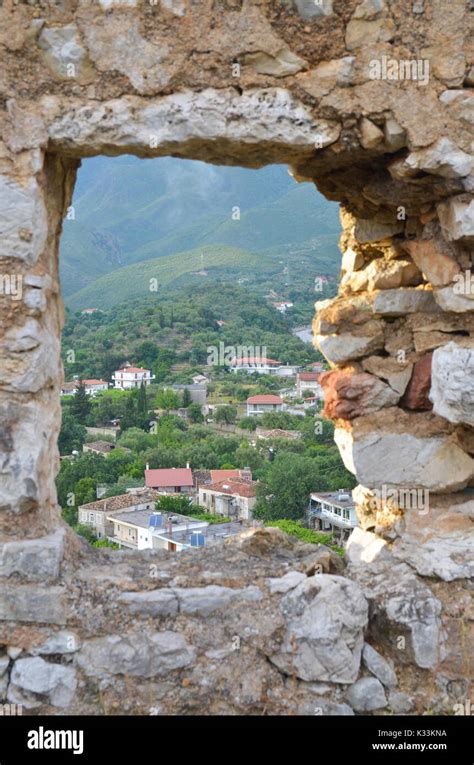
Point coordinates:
[[129, 210]]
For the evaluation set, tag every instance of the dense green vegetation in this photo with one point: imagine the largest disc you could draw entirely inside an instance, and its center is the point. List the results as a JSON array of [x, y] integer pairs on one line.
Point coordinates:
[[171, 334]]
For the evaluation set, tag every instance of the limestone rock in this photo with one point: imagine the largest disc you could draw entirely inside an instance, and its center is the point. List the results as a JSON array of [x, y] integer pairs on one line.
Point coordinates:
[[64, 53], [36, 559], [29, 603], [345, 347], [370, 135], [145, 654], [365, 547], [382, 449], [34, 676], [59, 642], [400, 703], [282, 64], [394, 135], [439, 267], [204, 600], [416, 395], [399, 302], [155, 602], [285, 583], [327, 75], [308, 9], [366, 695], [22, 209], [403, 606], [457, 297], [452, 385], [351, 260], [372, 231], [326, 616], [395, 373], [349, 395], [379, 666], [456, 216], [442, 158], [369, 9]]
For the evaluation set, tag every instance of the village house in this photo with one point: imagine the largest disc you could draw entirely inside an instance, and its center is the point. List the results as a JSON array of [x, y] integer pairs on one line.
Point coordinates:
[[282, 305], [232, 498], [102, 447], [263, 366], [95, 513], [262, 403], [170, 480], [129, 377], [271, 435], [91, 387], [174, 533], [334, 512], [308, 381]]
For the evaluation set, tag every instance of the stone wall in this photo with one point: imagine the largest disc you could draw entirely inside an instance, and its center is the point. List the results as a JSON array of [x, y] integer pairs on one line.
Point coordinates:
[[251, 83]]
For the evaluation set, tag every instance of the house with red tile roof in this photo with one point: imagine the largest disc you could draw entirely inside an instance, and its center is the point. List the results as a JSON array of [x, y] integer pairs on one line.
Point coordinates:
[[170, 480], [262, 403], [232, 498], [128, 377], [308, 381]]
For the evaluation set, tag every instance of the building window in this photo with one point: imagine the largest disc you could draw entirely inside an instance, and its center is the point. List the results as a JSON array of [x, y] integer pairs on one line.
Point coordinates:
[[91, 517]]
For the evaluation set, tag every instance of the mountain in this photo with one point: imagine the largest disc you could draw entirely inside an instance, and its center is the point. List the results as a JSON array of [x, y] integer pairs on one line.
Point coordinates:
[[130, 211], [129, 282]]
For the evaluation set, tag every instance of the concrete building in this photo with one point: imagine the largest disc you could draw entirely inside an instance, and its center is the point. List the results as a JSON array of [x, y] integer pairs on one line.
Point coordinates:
[[262, 366], [145, 531], [197, 391], [230, 498], [333, 512], [103, 447], [129, 377], [308, 381], [95, 514], [92, 387], [262, 403]]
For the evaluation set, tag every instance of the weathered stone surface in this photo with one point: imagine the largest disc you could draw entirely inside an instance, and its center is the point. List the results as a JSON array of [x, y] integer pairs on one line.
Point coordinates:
[[378, 450], [282, 64], [458, 297], [144, 654], [64, 54], [452, 383], [326, 616], [348, 395], [327, 75], [285, 583], [395, 373], [399, 302], [27, 603], [346, 346], [22, 209], [372, 231], [400, 703], [443, 158], [370, 135], [403, 606], [361, 32], [439, 267], [155, 602], [35, 677], [456, 216], [308, 9], [366, 695], [36, 559], [365, 547], [416, 395], [378, 666], [60, 642], [204, 600]]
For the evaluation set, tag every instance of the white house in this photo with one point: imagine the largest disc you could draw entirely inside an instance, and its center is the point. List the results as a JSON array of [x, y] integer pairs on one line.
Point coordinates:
[[282, 305], [308, 381], [263, 366], [131, 377], [333, 512], [91, 387], [262, 403]]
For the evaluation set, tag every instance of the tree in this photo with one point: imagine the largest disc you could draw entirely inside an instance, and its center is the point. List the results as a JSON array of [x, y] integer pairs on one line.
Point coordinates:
[[71, 436], [142, 404], [195, 413], [226, 414], [285, 491], [178, 505], [167, 399], [81, 404], [187, 400]]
